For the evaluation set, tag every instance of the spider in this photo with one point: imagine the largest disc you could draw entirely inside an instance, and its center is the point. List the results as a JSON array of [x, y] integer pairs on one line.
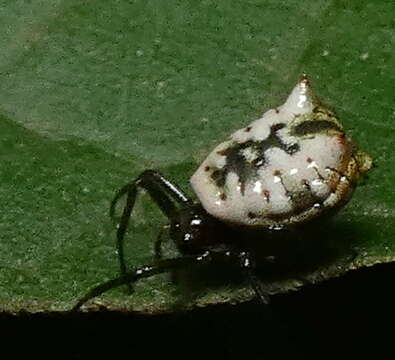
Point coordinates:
[[288, 168]]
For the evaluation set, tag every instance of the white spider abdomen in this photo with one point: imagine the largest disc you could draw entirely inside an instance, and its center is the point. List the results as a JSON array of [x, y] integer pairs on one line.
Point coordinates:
[[286, 167]]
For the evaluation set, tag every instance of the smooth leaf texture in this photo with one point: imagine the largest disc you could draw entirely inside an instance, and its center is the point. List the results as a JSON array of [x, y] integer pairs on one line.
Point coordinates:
[[93, 92]]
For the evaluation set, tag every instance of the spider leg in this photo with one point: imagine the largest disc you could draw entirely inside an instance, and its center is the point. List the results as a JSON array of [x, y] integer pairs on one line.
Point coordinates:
[[123, 223], [165, 194], [159, 241], [166, 265], [146, 271], [247, 263], [256, 284]]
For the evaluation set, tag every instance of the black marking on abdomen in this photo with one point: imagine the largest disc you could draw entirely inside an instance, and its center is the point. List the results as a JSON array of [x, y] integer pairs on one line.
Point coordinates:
[[252, 215], [314, 127], [218, 177], [237, 163]]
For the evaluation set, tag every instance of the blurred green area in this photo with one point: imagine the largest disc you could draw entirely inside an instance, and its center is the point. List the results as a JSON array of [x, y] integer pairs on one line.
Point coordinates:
[[92, 93]]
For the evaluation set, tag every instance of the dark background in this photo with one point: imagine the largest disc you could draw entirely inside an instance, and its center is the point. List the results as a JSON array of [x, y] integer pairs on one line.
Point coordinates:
[[349, 316]]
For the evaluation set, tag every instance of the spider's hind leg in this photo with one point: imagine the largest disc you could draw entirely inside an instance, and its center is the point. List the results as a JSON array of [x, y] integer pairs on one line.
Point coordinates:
[[164, 193], [247, 264]]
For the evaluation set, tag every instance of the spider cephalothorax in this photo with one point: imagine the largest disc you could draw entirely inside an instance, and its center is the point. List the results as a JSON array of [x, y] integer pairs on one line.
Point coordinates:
[[287, 168], [194, 229]]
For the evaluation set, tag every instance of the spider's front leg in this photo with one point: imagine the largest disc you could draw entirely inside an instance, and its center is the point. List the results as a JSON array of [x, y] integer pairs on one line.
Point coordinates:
[[167, 265], [130, 277], [165, 194]]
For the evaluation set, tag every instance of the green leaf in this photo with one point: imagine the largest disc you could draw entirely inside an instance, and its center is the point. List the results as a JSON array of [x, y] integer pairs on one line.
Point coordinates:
[[92, 93]]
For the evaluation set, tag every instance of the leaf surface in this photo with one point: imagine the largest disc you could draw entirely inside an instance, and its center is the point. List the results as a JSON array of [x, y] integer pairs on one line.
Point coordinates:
[[92, 93]]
